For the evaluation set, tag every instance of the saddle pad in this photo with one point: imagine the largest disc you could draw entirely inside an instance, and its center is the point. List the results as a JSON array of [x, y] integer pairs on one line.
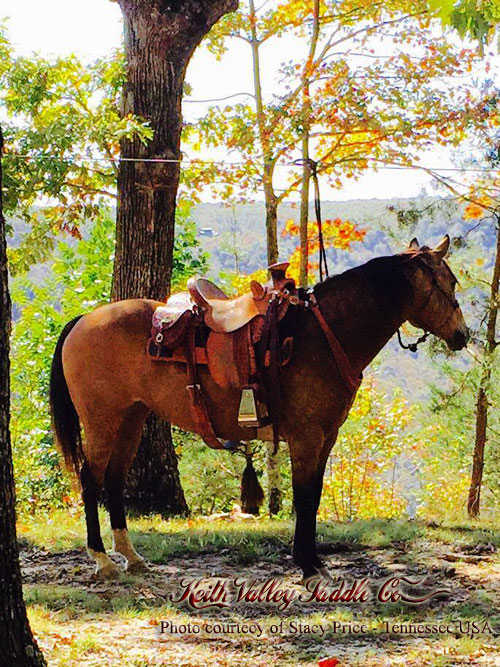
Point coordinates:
[[177, 304]]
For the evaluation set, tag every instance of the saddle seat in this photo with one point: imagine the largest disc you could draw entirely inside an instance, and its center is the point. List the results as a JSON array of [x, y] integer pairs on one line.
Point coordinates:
[[224, 315]]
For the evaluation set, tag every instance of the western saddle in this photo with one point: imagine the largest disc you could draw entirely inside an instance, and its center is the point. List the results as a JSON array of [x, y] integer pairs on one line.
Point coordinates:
[[237, 339]]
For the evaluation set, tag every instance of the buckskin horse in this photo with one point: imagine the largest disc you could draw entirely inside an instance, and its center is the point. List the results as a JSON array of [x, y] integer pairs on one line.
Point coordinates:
[[103, 380]]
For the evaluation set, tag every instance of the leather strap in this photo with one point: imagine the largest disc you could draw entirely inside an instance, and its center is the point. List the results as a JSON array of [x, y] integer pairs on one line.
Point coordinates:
[[341, 359], [269, 341], [198, 407]]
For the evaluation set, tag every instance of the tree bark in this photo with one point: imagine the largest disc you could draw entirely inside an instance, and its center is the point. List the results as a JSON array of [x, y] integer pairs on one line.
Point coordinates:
[[272, 227], [306, 130], [160, 38], [270, 198], [482, 401], [17, 645], [304, 212]]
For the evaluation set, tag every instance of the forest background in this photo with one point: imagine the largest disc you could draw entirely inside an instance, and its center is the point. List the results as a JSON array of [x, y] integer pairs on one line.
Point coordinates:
[[407, 447]]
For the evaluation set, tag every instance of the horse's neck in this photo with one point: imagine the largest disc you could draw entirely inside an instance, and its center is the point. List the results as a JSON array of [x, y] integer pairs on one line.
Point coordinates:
[[365, 307]]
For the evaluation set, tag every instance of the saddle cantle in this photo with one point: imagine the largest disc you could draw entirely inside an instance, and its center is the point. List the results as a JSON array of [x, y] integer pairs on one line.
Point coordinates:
[[226, 315], [203, 326]]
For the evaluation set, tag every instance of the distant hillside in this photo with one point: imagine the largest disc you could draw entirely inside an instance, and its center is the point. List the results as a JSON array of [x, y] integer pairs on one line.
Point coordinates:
[[242, 227]]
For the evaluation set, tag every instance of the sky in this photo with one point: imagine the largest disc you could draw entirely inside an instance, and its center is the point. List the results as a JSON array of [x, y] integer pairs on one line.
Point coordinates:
[[93, 28]]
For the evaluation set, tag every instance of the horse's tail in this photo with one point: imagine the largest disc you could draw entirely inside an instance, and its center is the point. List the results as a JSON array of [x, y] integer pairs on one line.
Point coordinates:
[[65, 421]]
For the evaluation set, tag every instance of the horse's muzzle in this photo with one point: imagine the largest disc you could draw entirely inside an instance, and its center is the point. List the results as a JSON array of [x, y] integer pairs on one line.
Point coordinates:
[[459, 340]]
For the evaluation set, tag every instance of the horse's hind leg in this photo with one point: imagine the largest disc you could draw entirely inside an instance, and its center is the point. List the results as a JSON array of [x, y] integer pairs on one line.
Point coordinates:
[[115, 483], [110, 445], [90, 488], [116, 475]]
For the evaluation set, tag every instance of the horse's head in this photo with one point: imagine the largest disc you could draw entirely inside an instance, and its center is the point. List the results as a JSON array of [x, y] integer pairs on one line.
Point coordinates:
[[435, 307]]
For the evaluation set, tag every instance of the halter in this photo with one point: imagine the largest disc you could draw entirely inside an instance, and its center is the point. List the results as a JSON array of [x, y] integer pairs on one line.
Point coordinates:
[[435, 287]]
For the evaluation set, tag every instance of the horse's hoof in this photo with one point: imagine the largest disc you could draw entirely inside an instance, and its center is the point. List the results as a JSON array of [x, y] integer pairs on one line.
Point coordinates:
[[319, 572], [137, 567], [325, 573], [310, 576], [108, 572]]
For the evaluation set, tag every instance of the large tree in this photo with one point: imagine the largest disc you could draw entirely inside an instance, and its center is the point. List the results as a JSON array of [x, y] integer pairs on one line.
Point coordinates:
[[17, 645], [160, 38]]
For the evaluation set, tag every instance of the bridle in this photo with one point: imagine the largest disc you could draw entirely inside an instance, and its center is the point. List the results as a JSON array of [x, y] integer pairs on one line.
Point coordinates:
[[435, 286]]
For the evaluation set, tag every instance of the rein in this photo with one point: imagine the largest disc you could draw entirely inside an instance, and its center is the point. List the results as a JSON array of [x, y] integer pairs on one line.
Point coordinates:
[[309, 302]]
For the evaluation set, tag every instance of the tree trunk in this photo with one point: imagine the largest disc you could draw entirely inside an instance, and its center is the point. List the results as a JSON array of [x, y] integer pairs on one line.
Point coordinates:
[[271, 204], [304, 212], [17, 645], [474, 501], [270, 198], [482, 402], [306, 167], [272, 228], [160, 38], [153, 483]]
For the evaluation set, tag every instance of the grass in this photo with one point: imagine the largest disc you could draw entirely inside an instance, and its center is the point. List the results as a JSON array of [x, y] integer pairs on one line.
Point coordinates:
[[162, 539], [91, 623]]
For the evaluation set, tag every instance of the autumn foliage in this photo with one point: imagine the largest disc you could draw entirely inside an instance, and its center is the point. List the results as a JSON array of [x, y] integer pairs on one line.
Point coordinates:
[[337, 233]]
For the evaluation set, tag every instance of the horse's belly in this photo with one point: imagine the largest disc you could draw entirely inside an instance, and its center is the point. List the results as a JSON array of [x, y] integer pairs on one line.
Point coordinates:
[[169, 398]]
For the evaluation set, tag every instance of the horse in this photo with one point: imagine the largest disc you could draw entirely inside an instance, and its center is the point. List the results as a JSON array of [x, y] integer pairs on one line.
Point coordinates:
[[103, 381]]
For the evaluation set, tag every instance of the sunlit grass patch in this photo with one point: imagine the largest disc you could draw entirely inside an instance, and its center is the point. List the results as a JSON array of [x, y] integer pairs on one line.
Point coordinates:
[[70, 602], [370, 532], [245, 542], [58, 531], [462, 534]]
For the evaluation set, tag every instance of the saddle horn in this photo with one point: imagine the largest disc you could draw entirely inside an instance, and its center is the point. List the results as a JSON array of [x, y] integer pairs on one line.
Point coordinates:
[[279, 277]]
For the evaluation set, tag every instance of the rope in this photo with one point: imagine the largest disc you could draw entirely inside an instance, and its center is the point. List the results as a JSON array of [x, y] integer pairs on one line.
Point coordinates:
[[295, 163], [317, 206], [313, 166], [412, 346]]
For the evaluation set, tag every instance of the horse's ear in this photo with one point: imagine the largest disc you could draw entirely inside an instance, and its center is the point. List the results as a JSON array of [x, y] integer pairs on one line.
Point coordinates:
[[414, 245], [442, 248]]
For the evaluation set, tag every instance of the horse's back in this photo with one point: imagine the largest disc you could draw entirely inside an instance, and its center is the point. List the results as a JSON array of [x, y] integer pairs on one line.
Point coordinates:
[[104, 353], [132, 316]]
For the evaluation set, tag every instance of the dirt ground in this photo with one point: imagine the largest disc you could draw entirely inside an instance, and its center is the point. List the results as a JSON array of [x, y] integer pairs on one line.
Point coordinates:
[[80, 620]]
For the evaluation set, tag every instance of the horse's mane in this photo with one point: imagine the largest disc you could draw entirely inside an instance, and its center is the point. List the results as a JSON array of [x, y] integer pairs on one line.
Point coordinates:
[[379, 270]]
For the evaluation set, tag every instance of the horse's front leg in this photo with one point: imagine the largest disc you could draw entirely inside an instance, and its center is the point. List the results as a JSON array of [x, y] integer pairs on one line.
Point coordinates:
[[305, 495], [308, 457], [307, 481]]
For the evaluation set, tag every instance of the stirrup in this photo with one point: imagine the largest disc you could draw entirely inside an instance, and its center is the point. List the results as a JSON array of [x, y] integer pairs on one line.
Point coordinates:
[[247, 412]]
